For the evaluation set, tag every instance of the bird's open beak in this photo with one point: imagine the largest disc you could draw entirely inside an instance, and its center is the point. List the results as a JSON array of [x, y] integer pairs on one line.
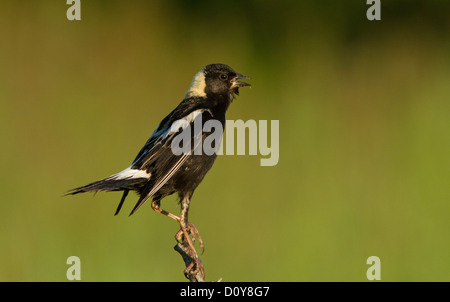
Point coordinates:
[[236, 83]]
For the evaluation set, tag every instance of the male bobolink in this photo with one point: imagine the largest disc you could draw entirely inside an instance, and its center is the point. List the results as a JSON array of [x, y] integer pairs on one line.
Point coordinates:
[[157, 171]]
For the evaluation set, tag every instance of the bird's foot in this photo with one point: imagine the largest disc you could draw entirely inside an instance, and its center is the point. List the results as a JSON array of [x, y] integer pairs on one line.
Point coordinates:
[[193, 231], [186, 236], [195, 267]]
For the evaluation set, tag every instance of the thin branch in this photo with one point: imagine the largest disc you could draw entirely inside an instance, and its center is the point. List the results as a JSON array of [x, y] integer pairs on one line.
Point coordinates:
[[195, 265]]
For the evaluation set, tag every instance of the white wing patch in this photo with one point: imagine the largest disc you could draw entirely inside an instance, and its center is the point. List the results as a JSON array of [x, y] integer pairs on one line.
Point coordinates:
[[184, 122], [129, 173], [181, 123], [193, 115]]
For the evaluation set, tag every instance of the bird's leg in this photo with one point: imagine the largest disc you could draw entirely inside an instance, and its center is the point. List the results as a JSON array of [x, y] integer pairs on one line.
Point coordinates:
[[157, 208], [186, 228], [190, 226]]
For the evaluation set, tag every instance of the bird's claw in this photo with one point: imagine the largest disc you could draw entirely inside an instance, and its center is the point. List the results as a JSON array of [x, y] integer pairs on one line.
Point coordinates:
[[186, 236], [194, 268], [193, 231]]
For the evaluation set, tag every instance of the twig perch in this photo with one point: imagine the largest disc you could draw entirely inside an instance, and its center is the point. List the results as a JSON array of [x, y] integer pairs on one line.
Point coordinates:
[[185, 252]]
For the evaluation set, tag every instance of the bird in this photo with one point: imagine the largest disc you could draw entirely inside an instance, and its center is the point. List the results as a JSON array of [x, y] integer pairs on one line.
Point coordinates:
[[158, 171]]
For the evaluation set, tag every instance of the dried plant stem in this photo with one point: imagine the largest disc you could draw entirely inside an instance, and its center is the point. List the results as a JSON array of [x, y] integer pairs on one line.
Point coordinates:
[[186, 253]]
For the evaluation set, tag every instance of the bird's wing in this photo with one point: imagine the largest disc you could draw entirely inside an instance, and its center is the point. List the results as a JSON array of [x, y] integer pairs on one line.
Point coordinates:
[[168, 170], [157, 156]]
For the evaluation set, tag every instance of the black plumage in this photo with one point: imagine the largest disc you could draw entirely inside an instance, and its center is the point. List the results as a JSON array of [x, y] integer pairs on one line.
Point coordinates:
[[157, 172]]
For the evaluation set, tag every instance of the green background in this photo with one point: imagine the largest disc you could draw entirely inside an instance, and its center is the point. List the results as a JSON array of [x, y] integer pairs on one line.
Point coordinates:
[[364, 111]]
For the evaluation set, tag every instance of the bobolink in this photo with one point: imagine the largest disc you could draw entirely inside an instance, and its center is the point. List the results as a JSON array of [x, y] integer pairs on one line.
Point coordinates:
[[158, 171]]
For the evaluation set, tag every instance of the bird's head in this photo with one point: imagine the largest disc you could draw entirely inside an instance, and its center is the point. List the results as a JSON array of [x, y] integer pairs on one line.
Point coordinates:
[[216, 79]]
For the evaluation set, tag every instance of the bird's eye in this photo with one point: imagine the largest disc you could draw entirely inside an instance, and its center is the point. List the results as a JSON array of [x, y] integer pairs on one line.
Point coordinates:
[[223, 77]]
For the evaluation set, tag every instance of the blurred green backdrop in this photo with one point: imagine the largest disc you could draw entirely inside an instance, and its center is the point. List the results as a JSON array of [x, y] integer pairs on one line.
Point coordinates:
[[364, 111]]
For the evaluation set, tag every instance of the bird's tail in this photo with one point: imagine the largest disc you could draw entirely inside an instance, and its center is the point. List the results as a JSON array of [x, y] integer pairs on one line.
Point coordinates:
[[108, 184], [126, 180]]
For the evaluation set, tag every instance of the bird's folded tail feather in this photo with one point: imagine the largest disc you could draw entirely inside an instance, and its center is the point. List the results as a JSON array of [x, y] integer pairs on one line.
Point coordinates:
[[109, 184], [128, 179]]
